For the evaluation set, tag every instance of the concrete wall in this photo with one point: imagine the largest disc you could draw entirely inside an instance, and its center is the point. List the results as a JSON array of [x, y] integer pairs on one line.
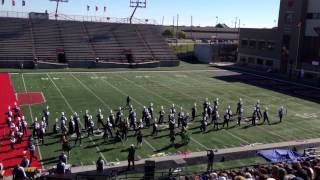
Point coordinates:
[[169, 63], [17, 64], [203, 52], [81, 64], [86, 64], [46, 65]]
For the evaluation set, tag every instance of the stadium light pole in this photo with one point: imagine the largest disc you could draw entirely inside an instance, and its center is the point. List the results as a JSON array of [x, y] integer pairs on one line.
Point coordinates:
[[137, 4], [57, 6]]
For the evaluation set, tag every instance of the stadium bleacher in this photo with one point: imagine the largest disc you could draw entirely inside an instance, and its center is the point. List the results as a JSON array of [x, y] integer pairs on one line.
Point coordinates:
[[43, 40], [15, 42]]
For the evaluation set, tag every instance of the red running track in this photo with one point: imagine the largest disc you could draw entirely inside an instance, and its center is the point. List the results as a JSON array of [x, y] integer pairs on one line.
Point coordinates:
[[10, 158]]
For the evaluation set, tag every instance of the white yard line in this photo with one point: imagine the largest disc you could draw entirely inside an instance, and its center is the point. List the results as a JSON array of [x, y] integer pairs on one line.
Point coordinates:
[[103, 102], [177, 71], [153, 148], [164, 98], [43, 97], [123, 93], [93, 93], [70, 107], [161, 97], [197, 142], [237, 137], [122, 71], [205, 92], [31, 116]]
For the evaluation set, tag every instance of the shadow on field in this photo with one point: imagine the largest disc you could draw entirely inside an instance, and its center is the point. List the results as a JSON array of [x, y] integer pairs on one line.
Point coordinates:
[[158, 137], [311, 94], [176, 146], [106, 150], [50, 160], [51, 143]]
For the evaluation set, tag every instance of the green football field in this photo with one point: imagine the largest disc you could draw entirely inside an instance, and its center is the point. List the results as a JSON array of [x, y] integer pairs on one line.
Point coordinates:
[[77, 91]]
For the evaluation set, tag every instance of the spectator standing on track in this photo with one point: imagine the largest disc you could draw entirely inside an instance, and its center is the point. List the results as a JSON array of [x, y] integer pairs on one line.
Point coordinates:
[[131, 155], [210, 155], [100, 164], [61, 168], [19, 173]]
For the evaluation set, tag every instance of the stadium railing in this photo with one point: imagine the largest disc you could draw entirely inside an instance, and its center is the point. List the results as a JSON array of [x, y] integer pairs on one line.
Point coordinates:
[[15, 14]]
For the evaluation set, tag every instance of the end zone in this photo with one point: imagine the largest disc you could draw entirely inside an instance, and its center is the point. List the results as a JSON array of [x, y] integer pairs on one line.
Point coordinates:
[[30, 98]]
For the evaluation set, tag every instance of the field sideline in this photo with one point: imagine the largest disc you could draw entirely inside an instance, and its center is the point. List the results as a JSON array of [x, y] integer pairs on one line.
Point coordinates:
[[70, 92]]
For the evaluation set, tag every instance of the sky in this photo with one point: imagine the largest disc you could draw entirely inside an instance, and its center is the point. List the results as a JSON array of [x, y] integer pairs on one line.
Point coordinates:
[[252, 13]]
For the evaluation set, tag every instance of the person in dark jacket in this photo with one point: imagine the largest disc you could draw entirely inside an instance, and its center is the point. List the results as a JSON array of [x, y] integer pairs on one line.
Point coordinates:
[[131, 154]]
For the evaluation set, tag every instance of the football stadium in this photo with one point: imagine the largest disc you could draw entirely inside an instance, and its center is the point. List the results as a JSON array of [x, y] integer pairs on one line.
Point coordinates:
[[98, 97]]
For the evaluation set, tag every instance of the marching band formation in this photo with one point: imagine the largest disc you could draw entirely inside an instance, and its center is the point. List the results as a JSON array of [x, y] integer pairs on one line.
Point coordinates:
[[116, 126]]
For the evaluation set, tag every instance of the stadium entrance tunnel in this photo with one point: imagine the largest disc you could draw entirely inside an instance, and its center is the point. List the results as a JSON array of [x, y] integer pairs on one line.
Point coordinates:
[[61, 58], [30, 98]]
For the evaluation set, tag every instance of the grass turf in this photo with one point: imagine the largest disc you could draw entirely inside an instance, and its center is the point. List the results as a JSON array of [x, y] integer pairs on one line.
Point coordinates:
[[71, 92]]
